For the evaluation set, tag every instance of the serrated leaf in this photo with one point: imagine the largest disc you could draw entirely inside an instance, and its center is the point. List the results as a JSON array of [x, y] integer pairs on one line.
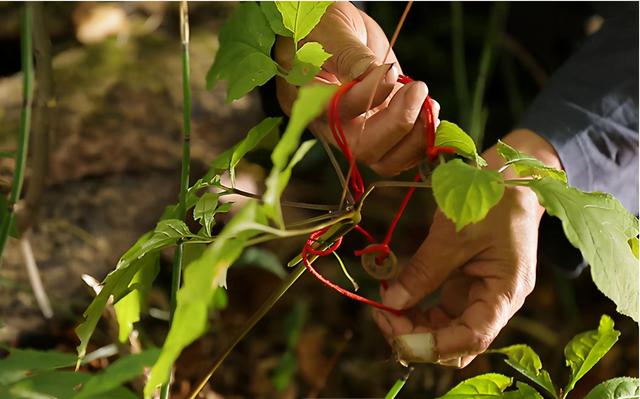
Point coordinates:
[[275, 18], [586, 349], [526, 361], [526, 165], [166, 233], [129, 307], [201, 278], [119, 372], [307, 63], [300, 17], [244, 56], [616, 388], [489, 385], [278, 180], [21, 361], [465, 194], [600, 227], [205, 211], [449, 134]]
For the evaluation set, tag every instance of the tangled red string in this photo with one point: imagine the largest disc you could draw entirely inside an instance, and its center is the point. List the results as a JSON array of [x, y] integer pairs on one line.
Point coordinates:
[[356, 184]]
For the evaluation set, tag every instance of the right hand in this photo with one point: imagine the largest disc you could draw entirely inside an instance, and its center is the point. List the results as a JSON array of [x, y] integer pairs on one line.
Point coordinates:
[[392, 141]]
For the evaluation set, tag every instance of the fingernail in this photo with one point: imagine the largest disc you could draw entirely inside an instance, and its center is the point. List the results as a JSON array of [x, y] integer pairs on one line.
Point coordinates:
[[455, 362], [396, 297], [415, 348], [435, 105]]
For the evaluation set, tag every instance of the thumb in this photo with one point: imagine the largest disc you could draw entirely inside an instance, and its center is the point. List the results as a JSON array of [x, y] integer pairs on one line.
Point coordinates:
[[343, 34], [436, 258]]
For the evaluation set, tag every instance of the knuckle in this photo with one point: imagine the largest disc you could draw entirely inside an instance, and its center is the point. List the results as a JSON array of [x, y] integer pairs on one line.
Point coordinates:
[[479, 342]]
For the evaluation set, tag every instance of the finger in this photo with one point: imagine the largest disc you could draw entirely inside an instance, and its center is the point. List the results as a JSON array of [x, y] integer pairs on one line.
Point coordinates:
[[345, 40], [404, 155], [443, 251], [386, 128], [475, 330], [381, 79], [377, 40]]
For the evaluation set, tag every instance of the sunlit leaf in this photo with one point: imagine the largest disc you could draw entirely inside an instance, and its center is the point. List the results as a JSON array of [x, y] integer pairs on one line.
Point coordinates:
[[586, 349], [465, 194], [201, 277], [307, 63], [616, 388], [526, 165], [275, 18], [483, 386], [278, 180], [244, 56], [600, 227], [449, 134], [129, 307], [526, 361], [119, 372], [205, 211], [300, 17]]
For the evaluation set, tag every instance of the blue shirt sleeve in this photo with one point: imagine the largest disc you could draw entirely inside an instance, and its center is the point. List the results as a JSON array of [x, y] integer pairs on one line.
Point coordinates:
[[588, 111]]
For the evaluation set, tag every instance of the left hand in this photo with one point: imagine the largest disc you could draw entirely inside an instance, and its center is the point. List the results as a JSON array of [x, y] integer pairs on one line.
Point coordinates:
[[485, 271]]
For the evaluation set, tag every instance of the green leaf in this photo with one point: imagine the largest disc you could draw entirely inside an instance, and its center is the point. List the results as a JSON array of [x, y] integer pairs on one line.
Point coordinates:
[[307, 63], [277, 182], [633, 244], [205, 211], [166, 233], [300, 17], [586, 349], [483, 386], [523, 391], [119, 372], [600, 227], [244, 57], [258, 257], [129, 307], [275, 18], [466, 194], [526, 165], [449, 134], [201, 278], [21, 361], [50, 384], [526, 361], [616, 388]]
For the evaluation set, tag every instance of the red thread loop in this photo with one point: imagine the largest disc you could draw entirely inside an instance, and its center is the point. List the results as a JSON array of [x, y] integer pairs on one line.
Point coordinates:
[[356, 184]]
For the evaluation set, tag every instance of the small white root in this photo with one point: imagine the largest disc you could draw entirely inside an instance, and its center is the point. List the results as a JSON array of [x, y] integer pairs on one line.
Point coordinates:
[[34, 278]]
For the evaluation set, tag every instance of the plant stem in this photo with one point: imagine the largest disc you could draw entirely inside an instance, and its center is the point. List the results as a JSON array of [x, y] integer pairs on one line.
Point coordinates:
[[459, 62], [43, 102], [249, 324], [397, 387], [176, 271], [26, 51], [494, 33]]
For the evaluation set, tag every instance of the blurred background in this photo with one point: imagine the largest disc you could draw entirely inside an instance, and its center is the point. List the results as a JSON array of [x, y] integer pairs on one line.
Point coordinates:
[[115, 164]]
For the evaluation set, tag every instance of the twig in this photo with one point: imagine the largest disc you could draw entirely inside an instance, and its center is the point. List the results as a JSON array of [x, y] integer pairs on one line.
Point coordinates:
[[291, 204], [249, 324], [44, 102], [26, 52], [34, 277], [176, 270]]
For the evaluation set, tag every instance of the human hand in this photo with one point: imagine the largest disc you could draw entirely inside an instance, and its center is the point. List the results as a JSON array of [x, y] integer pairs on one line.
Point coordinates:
[[391, 141], [485, 272]]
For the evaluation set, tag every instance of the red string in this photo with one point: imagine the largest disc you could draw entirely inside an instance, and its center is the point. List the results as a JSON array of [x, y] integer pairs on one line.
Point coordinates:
[[356, 184]]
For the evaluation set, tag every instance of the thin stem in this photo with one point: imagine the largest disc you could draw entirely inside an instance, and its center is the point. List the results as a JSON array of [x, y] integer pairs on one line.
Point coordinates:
[[34, 277], [459, 62], [494, 32], [404, 184], [44, 103], [336, 166], [176, 270], [26, 51], [397, 387], [291, 204], [249, 324]]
